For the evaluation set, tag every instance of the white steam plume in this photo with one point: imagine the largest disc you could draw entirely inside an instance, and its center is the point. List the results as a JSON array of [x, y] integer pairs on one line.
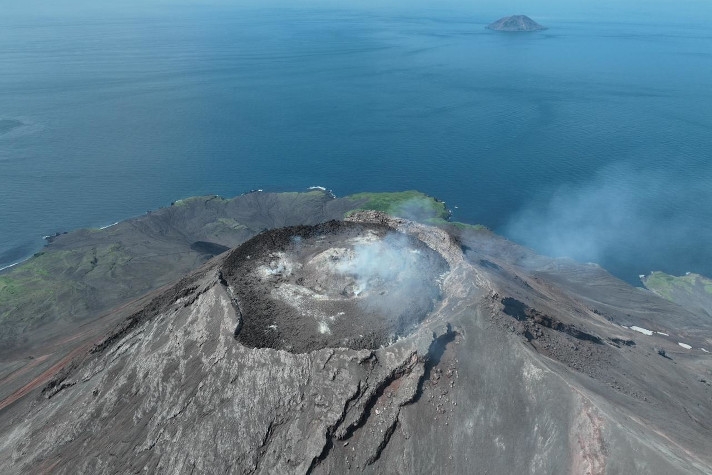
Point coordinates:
[[629, 221]]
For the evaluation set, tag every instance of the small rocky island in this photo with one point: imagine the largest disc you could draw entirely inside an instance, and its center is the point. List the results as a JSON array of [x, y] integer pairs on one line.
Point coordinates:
[[516, 23]]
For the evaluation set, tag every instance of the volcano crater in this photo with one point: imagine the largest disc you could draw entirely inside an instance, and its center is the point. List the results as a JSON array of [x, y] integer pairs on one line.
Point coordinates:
[[336, 284]]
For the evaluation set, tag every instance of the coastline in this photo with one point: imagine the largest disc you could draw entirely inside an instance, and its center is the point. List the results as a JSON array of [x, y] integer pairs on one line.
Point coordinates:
[[14, 264], [50, 238]]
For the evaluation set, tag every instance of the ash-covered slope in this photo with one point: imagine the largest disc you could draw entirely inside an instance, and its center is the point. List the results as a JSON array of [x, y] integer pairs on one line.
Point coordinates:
[[272, 360]]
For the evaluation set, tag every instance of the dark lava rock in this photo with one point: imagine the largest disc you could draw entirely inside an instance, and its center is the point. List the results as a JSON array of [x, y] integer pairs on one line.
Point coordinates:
[[516, 23]]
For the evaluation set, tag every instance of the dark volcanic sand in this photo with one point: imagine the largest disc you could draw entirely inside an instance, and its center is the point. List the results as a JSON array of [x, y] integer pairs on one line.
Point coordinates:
[[337, 284]]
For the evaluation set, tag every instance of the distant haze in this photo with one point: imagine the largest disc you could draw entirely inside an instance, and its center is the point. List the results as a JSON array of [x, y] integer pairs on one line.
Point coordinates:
[[698, 11]]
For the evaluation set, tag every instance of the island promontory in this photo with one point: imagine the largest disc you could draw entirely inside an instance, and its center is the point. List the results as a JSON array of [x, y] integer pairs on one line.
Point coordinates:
[[516, 23]]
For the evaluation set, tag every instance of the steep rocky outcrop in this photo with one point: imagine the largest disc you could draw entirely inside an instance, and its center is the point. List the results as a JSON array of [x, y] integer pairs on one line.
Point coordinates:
[[516, 23]]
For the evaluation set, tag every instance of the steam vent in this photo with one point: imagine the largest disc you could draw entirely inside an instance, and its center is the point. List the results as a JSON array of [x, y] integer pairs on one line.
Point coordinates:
[[338, 284]]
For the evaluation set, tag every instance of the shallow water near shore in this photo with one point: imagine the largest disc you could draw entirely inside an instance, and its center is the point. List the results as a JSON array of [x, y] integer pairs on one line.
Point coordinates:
[[591, 139]]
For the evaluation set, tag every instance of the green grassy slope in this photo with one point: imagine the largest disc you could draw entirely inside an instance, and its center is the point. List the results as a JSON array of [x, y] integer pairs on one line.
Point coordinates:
[[691, 291]]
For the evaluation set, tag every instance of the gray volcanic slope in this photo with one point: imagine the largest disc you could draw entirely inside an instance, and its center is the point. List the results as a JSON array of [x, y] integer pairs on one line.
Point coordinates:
[[508, 363]]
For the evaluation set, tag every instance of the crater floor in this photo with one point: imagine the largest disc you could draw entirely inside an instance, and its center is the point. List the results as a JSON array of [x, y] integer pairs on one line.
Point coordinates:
[[337, 284]]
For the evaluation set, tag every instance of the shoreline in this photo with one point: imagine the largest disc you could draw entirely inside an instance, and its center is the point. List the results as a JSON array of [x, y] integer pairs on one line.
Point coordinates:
[[15, 264], [8, 266]]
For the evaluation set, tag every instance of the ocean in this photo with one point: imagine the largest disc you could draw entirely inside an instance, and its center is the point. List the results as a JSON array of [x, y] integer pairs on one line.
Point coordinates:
[[590, 140]]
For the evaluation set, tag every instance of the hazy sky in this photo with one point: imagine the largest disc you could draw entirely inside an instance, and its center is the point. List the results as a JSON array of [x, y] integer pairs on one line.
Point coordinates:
[[668, 11]]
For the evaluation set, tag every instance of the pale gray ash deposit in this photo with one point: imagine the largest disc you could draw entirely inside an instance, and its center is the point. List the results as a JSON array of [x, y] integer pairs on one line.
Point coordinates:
[[375, 345]]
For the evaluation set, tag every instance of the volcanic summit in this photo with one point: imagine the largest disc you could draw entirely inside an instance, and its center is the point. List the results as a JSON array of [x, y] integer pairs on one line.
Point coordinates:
[[372, 344]]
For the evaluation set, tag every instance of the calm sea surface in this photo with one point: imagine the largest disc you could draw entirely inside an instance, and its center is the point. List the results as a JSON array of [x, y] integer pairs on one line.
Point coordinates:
[[591, 139]]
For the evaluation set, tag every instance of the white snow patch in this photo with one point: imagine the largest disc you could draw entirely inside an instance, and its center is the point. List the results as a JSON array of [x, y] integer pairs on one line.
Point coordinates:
[[644, 331], [324, 328], [684, 345], [704, 350], [661, 333]]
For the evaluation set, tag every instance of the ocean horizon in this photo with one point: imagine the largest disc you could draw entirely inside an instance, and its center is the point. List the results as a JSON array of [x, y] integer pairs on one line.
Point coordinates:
[[589, 140]]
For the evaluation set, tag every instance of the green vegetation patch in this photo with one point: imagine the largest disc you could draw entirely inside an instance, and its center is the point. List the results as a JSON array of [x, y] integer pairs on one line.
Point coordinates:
[[660, 283], [47, 285], [669, 286], [404, 204], [33, 287]]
